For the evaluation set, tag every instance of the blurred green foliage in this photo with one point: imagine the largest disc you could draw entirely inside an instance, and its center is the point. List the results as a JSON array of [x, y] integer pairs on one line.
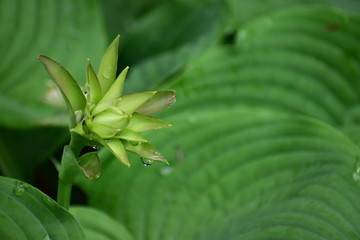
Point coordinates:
[[264, 143]]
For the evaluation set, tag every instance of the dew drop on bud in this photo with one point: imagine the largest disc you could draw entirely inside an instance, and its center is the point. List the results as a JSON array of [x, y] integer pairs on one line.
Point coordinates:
[[146, 162]]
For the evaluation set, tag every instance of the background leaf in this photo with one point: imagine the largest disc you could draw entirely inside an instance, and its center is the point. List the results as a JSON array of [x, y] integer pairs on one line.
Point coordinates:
[[27, 213], [254, 150], [287, 60], [173, 39], [160, 48], [99, 226], [63, 30], [265, 133], [245, 173]]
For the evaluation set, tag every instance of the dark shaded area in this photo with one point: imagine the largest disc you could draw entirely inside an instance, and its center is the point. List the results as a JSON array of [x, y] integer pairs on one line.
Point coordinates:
[[24, 150], [229, 37], [46, 179]]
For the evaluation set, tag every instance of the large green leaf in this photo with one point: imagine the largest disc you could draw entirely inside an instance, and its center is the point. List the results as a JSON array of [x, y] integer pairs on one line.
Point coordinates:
[[246, 173], [98, 225], [302, 60], [241, 12], [169, 27], [161, 42], [255, 150], [68, 31], [121, 15], [162, 58], [27, 213]]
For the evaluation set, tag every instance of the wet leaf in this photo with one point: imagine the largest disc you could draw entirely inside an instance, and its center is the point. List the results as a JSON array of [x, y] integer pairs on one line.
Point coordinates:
[[262, 143], [22, 204], [23, 79], [104, 228]]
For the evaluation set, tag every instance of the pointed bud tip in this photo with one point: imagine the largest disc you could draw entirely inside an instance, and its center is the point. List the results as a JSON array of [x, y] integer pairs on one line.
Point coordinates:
[[41, 57], [46, 61], [116, 41], [88, 63]]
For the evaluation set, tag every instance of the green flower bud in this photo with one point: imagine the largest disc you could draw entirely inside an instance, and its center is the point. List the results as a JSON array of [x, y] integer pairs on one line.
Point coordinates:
[[105, 116]]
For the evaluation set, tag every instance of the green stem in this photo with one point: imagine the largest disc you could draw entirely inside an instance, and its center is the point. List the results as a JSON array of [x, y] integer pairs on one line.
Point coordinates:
[[64, 193], [68, 171]]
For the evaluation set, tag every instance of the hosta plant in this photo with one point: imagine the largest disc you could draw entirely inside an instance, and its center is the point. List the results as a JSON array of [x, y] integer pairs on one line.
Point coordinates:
[[265, 143]]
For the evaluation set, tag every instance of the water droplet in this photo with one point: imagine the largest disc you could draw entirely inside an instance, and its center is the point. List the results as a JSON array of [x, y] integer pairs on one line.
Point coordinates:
[[47, 237], [95, 147], [20, 188], [356, 173], [267, 22], [146, 162], [166, 171], [192, 119], [242, 35], [90, 173], [49, 201]]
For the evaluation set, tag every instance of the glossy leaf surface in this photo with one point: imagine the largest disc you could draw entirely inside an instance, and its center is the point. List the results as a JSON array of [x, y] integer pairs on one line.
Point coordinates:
[[263, 143], [265, 174], [27, 213], [104, 228], [66, 31]]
